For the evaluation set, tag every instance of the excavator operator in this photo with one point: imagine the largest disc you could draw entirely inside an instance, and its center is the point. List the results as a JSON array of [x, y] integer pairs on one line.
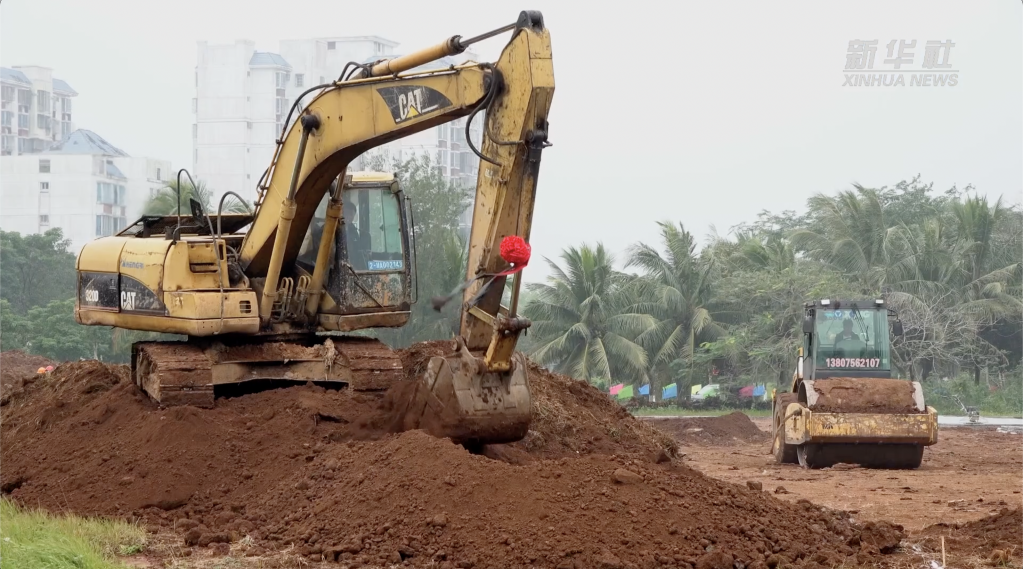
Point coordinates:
[[358, 244]]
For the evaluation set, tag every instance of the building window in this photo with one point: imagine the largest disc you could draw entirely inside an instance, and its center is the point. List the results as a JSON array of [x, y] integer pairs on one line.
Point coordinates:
[[248, 125], [65, 104], [195, 105], [158, 174], [7, 145], [44, 220], [7, 94], [299, 79], [109, 224], [23, 121], [110, 194], [6, 118], [195, 131], [331, 45], [43, 122], [43, 101], [24, 97], [44, 166], [44, 186]]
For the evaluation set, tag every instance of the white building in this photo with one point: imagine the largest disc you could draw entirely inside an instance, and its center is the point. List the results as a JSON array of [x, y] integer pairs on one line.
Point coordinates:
[[35, 109], [243, 97], [83, 184]]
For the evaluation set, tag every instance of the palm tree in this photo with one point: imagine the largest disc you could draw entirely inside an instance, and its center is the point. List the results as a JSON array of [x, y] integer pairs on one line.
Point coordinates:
[[581, 325], [165, 201], [675, 292], [977, 221], [852, 235]]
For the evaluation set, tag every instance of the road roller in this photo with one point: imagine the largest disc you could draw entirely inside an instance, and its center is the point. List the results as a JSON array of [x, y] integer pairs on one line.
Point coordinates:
[[844, 405]]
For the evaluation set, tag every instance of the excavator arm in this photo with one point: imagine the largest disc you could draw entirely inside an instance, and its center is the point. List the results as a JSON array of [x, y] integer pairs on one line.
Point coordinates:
[[480, 392], [382, 104]]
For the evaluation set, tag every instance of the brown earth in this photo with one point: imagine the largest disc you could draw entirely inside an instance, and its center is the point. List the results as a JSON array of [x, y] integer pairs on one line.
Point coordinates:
[[726, 430], [970, 473], [996, 539], [16, 369], [318, 471], [864, 395], [968, 490]]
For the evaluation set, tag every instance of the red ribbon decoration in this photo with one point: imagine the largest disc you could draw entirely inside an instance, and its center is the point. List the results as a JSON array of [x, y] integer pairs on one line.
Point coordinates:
[[516, 251]]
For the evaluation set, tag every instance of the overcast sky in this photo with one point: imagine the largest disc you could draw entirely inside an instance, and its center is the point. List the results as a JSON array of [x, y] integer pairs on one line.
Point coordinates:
[[704, 113]]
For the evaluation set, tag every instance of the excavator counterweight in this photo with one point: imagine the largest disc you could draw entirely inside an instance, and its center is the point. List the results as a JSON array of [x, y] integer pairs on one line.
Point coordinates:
[[273, 295]]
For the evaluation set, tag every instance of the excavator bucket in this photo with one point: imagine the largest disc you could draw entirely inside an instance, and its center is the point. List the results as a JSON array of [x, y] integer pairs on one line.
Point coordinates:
[[458, 398]]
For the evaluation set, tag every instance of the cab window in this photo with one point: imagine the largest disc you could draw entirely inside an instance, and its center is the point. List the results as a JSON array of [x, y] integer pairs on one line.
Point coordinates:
[[373, 229], [852, 339]]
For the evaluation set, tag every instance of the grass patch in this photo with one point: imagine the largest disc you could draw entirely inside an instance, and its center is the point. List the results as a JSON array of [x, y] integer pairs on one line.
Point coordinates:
[[36, 539], [677, 412], [994, 399]]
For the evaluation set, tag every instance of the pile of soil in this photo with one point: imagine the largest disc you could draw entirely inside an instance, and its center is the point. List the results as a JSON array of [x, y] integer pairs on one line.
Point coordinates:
[[16, 370], [995, 539], [726, 430], [311, 471], [570, 417], [864, 395]]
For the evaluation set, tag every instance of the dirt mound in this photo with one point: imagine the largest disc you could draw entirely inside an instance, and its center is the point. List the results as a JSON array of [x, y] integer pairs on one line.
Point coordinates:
[[570, 417], [864, 395], [18, 369], [305, 467], [995, 539], [734, 428]]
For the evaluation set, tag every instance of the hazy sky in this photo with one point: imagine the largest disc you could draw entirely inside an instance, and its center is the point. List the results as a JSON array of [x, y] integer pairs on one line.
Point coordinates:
[[700, 112]]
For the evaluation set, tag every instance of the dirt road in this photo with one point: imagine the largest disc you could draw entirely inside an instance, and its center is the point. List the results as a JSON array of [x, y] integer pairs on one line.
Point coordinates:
[[971, 472]]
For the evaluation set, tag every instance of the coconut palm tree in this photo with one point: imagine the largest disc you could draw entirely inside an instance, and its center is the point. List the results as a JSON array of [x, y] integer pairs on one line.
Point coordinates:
[[851, 234], [675, 291], [165, 201], [581, 323]]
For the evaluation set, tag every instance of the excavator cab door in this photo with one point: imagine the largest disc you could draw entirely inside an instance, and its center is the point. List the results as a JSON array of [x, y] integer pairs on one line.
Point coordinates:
[[372, 271]]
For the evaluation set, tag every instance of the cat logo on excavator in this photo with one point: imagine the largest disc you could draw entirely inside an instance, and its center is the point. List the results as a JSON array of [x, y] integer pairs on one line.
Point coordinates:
[[407, 102]]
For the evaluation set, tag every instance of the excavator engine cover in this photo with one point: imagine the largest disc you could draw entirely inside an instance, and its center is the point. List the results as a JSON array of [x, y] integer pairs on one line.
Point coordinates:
[[458, 398]]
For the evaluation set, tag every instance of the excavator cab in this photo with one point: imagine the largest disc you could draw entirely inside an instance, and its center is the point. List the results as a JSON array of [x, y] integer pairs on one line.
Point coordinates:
[[844, 404], [372, 259]]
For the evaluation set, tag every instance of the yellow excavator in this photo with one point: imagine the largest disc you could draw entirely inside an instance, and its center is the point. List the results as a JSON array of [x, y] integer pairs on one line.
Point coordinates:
[[331, 251], [844, 406]]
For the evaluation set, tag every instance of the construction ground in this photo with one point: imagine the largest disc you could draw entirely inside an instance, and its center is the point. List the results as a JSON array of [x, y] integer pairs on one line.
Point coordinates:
[[308, 477]]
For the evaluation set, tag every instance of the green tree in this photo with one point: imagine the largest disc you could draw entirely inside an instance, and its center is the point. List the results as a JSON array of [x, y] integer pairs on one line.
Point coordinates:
[[675, 290], [35, 269], [440, 251], [15, 331], [581, 323], [166, 200], [56, 335]]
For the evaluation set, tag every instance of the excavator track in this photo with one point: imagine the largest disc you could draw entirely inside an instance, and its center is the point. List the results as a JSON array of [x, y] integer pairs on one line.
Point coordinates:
[[188, 373]]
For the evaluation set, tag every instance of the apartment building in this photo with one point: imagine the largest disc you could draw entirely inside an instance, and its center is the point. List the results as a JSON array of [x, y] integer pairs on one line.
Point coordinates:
[[83, 184], [35, 109]]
